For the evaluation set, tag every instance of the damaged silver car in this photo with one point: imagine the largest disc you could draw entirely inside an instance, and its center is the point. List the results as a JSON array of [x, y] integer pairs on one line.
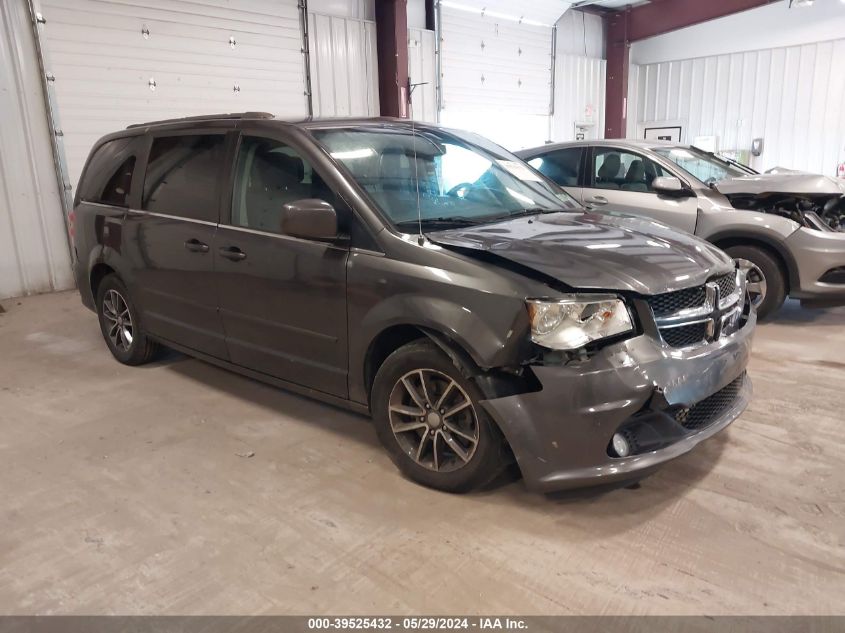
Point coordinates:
[[784, 228]]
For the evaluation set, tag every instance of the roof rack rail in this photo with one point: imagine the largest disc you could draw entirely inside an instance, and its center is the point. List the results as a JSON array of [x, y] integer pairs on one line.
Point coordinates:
[[207, 117]]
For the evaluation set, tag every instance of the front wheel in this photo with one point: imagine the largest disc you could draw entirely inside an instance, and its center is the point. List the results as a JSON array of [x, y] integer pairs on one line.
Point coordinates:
[[765, 279], [427, 416]]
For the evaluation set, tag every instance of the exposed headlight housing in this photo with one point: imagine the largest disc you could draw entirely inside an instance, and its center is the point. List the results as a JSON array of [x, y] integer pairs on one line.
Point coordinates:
[[573, 321]]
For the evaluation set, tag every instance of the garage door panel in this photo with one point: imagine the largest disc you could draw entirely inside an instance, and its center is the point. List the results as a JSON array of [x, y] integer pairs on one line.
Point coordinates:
[[103, 65], [260, 15], [495, 62]]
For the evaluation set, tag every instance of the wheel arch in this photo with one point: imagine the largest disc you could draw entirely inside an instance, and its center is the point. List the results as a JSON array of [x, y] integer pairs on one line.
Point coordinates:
[[776, 250]]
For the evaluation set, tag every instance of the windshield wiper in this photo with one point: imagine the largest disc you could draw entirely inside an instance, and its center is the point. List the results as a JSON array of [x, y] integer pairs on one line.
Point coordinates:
[[454, 221]]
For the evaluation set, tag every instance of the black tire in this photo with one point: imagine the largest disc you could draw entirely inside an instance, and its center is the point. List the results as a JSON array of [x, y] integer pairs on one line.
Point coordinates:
[[773, 275], [140, 349], [485, 461]]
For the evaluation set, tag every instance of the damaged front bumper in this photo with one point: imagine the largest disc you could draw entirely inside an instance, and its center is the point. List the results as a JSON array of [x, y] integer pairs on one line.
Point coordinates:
[[561, 434], [820, 263]]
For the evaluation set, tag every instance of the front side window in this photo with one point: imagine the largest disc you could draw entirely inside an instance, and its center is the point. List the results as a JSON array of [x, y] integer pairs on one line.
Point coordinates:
[[183, 176], [707, 167], [562, 165], [270, 174], [108, 177], [618, 169], [453, 177]]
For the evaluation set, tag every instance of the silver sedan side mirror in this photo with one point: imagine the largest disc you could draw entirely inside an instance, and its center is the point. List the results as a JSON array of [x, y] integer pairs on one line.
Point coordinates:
[[667, 184]]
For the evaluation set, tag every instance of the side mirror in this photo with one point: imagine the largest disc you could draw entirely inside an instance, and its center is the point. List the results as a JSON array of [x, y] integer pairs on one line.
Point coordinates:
[[311, 219], [669, 186]]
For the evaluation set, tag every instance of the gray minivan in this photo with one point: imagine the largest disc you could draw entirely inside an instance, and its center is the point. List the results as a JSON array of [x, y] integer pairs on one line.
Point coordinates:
[[420, 275]]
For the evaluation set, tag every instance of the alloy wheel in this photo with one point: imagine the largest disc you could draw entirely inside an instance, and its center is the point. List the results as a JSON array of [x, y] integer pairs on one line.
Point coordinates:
[[118, 320], [755, 281], [433, 420]]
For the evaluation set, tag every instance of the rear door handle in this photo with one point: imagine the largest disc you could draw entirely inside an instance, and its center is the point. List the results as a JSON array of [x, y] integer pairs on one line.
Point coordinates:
[[195, 246], [597, 200], [232, 252]]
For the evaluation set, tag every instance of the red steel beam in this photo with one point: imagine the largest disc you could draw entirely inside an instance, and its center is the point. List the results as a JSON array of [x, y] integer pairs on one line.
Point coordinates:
[[647, 20], [392, 54], [616, 79], [662, 16]]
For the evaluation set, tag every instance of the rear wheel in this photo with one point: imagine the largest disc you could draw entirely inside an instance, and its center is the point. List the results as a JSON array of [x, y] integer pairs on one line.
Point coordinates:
[[766, 281], [120, 325], [427, 416]]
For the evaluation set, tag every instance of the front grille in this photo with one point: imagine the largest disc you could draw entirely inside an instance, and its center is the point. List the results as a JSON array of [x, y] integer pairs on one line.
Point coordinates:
[[685, 335], [671, 302], [669, 307], [727, 285], [704, 413]]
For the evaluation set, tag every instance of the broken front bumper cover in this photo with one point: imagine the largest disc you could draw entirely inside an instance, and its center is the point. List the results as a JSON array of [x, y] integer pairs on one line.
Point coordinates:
[[560, 435], [817, 253]]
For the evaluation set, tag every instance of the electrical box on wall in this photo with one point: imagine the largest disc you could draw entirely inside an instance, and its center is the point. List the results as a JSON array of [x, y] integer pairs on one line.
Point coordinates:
[[584, 130]]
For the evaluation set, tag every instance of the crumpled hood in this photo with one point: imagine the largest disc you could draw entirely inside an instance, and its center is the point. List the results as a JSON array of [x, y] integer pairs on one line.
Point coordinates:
[[782, 181], [602, 251]]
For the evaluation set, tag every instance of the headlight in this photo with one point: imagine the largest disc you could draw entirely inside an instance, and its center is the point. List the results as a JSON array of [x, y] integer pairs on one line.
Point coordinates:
[[575, 320]]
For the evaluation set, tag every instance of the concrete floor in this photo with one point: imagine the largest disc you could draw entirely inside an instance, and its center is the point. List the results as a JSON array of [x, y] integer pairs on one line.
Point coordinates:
[[125, 490]]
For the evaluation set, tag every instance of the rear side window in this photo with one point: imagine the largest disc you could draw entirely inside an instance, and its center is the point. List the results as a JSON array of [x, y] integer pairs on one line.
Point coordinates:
[[562, 166], [108, 177], [183, 176]]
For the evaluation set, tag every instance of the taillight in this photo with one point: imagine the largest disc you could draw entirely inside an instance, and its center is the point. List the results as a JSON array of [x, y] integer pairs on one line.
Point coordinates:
[[71, 223]]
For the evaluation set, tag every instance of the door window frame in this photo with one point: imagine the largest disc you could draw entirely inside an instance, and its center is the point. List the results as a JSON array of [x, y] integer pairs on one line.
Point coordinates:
[[281, 135]]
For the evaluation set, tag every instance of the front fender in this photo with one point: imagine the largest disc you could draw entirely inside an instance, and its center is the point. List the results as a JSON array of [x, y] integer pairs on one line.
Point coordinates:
[[490, 342]]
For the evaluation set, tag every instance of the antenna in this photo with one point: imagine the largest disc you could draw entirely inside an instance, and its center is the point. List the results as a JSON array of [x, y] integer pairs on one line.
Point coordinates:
[[420, 237]]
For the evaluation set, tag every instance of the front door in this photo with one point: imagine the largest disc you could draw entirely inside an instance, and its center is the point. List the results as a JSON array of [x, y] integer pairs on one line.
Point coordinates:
[[564, 166], [168, 241], [282, 299], [621, 180]]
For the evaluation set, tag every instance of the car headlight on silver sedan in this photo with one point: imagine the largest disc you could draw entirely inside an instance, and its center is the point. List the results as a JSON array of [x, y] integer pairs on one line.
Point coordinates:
[[572, 321]]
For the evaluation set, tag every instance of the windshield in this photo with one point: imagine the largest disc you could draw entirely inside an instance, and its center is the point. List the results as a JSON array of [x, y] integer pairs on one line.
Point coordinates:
[[462, 178], [705, 166]]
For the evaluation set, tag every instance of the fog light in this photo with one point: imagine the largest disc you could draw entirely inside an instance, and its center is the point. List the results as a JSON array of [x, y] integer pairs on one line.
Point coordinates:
[[620, 445]]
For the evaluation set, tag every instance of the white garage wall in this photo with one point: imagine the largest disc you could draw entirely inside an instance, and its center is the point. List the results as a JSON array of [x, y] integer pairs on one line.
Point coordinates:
[[344, 71], [792, 97], [34, 253], [103, 63], [580, 70], [579, 96], [422, 69]]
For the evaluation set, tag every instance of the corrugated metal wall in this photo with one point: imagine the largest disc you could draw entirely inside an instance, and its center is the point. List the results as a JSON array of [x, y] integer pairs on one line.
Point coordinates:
[[582, 34], [344, 69], [579, 96], [117, 62], [34, 253], [422, 69], [793, 98]]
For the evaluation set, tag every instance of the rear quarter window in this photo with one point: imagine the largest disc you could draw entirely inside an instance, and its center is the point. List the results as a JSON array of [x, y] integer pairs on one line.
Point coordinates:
[[108, 177]]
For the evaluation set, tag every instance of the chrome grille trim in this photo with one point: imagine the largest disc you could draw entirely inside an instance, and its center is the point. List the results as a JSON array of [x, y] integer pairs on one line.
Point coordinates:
[[721, 313]]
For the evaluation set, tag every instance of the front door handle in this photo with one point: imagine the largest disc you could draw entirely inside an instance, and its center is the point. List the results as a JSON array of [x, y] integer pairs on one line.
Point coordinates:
[[232, 252], [195, 246], [597, 200]]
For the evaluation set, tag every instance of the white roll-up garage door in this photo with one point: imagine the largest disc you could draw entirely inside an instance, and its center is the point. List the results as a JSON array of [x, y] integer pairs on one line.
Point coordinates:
[[117, 62], [496, 67]]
